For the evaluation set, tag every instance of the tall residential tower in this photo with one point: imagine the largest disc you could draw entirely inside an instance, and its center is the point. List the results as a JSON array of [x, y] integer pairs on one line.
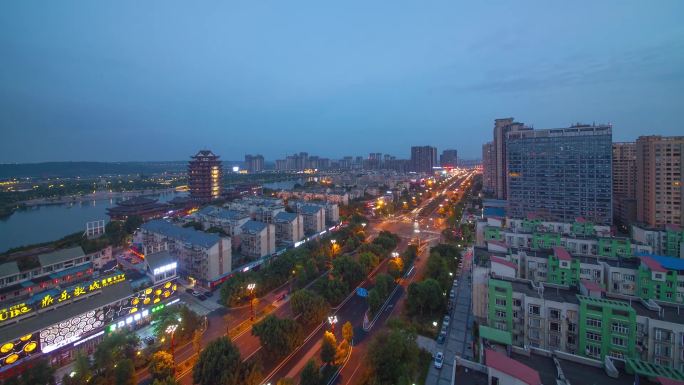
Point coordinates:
[[561, 174]]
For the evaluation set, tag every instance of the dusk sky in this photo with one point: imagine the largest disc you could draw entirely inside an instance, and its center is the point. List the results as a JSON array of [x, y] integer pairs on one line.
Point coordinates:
[[158, 80]]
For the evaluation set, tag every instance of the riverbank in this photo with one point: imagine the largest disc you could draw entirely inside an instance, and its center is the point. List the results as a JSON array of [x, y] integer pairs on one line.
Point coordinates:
[[97, 195]]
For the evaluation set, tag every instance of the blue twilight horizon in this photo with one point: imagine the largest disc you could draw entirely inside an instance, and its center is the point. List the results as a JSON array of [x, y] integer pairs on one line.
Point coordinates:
[[157, 80]]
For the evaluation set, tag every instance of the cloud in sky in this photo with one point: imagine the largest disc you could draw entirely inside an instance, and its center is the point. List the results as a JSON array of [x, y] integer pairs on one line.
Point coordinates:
[[155, 80]]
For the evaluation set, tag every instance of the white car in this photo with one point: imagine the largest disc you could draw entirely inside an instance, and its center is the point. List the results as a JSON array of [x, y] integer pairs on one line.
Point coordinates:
[[439, 358], [445, 322]]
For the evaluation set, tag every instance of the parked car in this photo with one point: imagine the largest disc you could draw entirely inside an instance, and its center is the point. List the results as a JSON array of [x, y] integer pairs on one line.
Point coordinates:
[[149, 340], [209, 294], [439, 359], [445, 322], [189, 291], [202, 297], [196, 293], [452, 294], [441, 337]]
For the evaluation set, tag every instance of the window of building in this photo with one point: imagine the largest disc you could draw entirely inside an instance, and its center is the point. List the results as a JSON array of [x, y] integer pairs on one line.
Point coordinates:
[[554, 327], [500, 302], [593, 322], [534, 310], [591, 336], [500, 314], [619, 327], [618, 341], [594, 351]]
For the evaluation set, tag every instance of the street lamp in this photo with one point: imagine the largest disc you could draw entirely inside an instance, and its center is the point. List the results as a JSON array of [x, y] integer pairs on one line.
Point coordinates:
[[332, 320], [171, 329], [251, 287]]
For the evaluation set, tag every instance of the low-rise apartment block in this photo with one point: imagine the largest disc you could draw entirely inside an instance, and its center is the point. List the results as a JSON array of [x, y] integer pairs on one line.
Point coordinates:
[[201, 256], [289, 228], [314, 218], [257, 239]]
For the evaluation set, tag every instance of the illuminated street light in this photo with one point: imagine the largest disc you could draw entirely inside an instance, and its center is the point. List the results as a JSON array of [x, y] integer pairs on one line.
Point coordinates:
[[251, 288], [171, 329], [332, 320], [434, 323]]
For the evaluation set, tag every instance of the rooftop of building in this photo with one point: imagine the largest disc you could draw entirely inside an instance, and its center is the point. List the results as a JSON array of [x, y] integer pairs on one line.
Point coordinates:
[[556, 293], [513, 367], [665, 262], [159, 259], [137, 201], [46, 318], [9, 268], [252, 226], [59, 256], [185, 234], [205, 154], [222, 213], [310, 209], [284, 216]]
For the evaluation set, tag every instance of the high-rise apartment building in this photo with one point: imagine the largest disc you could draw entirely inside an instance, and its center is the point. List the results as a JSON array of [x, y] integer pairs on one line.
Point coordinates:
[[254, 163], [488, 168], [624, 182], [423, 158], [500, 171], [659, 182], [449, 158], [204, 176], [561, 174]]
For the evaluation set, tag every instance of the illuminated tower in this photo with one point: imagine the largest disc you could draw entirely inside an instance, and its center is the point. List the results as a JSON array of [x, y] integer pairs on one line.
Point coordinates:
[[204, 176]]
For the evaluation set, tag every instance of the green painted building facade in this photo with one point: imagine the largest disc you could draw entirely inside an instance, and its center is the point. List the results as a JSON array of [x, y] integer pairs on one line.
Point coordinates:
[[673, 239], [545, 240], [664, 289], [493, 234], [558, 275], [500, 309], [583, 229], [606, 327], [615, 247]]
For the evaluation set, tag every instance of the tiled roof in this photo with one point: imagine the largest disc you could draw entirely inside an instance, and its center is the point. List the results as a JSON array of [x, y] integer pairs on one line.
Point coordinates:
[[62, 255], [561, 253], [253, 226], [310, 209], [512, 367], [284, 216], [184, 234], [592, 286], [653, 265], [503, 262]]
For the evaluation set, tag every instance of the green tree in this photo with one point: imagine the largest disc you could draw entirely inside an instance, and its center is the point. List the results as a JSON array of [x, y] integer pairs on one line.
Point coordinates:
[[219, 363], [124, 372], [368, 261], [312, 307], [132, 223], [335, 290], [278, 336], [114, 348], [384, 284], [311, 374], [342, 351], [346, 268], [161, 365], [395, 268], [40, 374], [328, 348], [393, 357], [425, 296], [374, 301], [348, 332]]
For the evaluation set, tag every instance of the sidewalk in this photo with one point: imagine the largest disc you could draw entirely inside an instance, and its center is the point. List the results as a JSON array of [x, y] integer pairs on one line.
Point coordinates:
[[459, 335]]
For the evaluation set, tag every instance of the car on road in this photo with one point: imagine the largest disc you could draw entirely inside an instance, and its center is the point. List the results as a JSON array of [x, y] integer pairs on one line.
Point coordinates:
[[202, 297], [196, 293], [439, 359], [209, 294], [441, 337], [149, 340], [452, 294], [446, 321]]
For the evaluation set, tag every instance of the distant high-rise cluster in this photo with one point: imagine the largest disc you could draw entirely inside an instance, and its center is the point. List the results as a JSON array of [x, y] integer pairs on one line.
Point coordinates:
[[254, 163], [561, 174], [449, 158], [204, 176], [423, 158]]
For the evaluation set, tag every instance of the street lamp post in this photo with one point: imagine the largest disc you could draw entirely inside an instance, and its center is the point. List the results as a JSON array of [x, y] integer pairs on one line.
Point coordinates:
[[171, 329], [251, 287], [332, 320]]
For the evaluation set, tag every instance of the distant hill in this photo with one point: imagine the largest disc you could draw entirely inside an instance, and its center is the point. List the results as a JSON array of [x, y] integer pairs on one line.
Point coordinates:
[[87, 169]]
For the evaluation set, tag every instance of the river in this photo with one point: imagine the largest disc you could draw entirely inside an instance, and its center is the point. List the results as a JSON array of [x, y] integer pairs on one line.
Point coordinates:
[[48, 223]]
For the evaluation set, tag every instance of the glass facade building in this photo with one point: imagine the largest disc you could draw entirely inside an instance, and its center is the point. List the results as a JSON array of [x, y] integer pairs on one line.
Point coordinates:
[[561, 174]]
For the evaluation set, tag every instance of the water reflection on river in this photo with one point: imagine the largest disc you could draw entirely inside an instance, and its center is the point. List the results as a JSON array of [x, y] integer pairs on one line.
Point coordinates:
[[48, 223]]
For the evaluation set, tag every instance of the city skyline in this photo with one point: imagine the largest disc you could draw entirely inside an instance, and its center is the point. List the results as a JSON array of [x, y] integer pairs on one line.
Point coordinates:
[[220, 78]]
